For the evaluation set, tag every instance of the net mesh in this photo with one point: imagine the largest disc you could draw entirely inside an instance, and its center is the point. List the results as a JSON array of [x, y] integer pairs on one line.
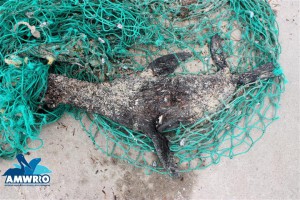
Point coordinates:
[[101, 40]]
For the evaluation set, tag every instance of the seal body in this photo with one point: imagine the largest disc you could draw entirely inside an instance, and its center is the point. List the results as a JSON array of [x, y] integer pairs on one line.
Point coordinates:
[[167, 101], [149, 104], [153, 102]]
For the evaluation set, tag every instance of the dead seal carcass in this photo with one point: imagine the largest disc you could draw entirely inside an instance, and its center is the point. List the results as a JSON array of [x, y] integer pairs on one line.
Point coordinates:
[[153, 102]]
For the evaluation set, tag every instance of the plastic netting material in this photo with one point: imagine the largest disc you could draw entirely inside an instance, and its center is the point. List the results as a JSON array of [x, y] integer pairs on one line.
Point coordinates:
[[100, 40]]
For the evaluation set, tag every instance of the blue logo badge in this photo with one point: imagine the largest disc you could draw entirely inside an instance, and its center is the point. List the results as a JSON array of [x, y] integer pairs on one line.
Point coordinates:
[[25, 173]]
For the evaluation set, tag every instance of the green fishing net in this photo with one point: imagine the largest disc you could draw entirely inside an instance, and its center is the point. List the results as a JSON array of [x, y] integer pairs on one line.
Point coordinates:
[[100, 40]]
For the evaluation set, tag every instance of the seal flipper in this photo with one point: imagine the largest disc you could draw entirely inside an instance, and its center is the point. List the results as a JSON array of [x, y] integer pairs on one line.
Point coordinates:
[[161, 145], [167, 64], [216, 52]]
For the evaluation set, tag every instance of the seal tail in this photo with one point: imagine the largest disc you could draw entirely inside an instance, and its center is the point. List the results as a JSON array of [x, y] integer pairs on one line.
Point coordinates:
[[263, 72]]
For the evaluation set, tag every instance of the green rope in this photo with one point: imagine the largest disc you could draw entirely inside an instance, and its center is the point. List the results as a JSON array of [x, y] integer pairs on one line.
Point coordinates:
[[101, 40]]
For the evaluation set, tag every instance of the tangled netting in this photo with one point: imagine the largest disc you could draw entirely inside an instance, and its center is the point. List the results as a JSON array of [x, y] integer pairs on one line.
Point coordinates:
[[99, 40]]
